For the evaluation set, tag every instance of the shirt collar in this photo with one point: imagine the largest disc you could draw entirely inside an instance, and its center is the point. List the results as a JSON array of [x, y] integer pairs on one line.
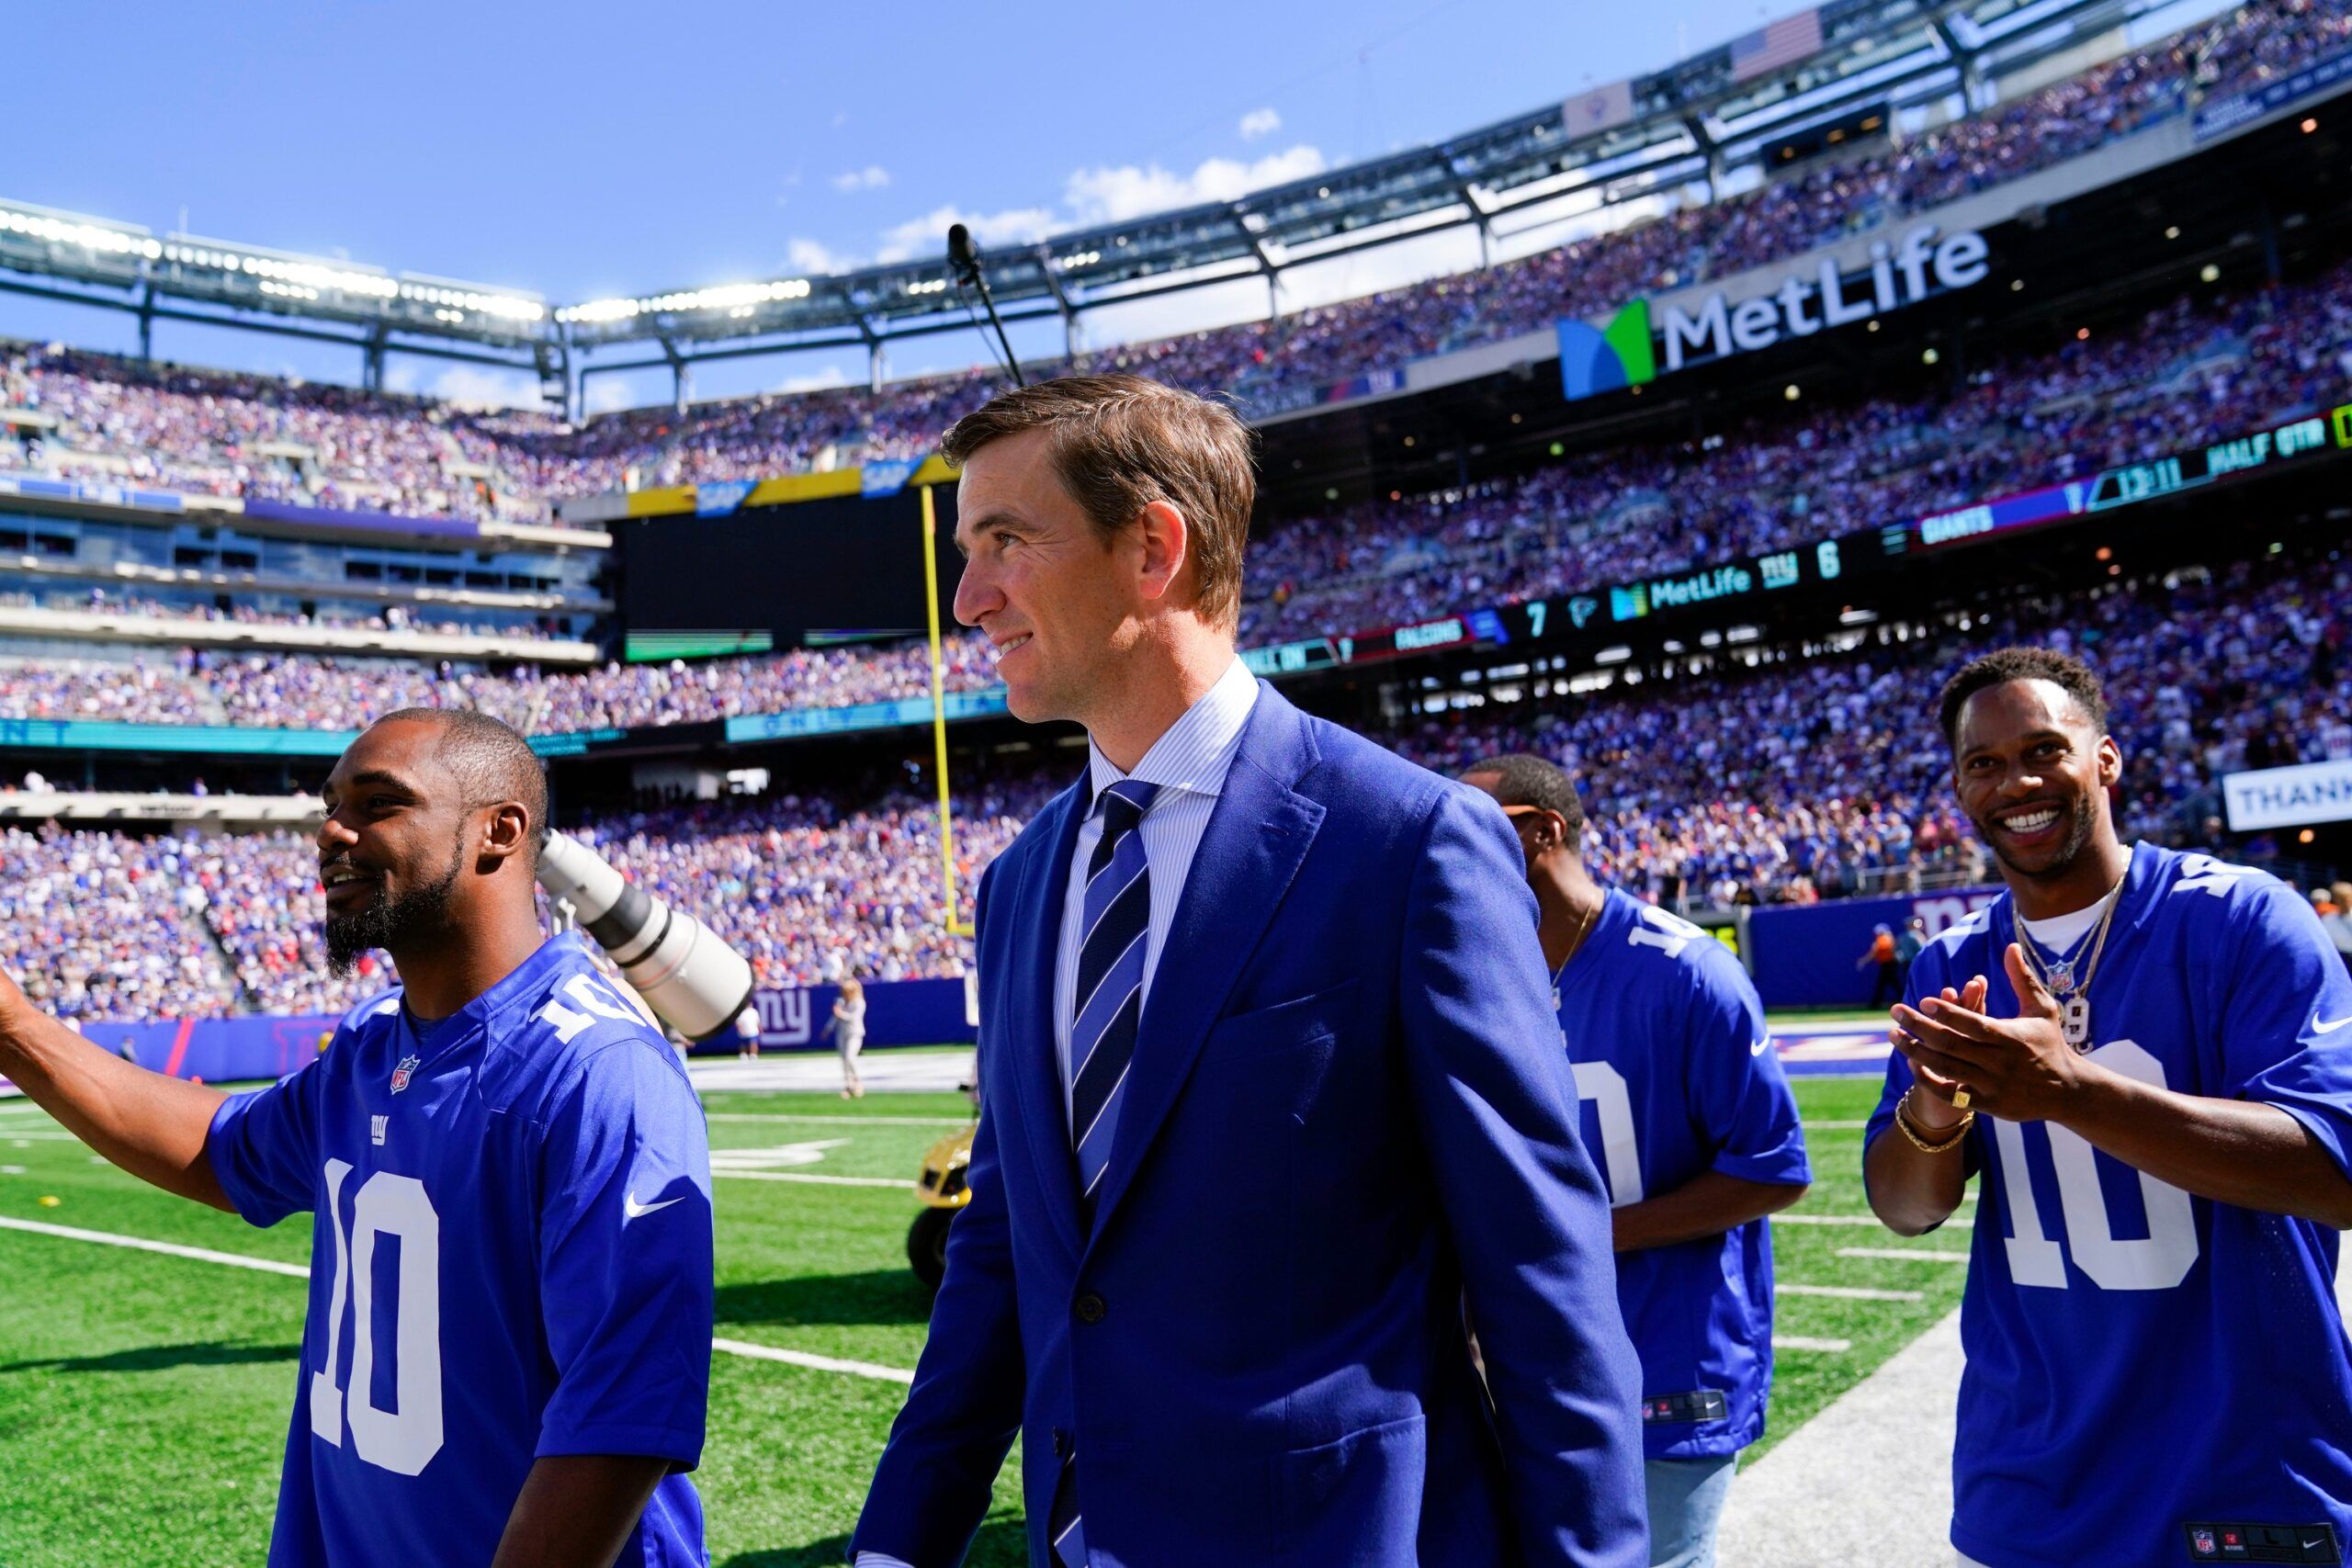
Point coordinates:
[[1198, 749]]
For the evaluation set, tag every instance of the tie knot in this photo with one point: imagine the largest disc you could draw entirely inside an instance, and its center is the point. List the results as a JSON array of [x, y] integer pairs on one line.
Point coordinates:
[[1124, 805]]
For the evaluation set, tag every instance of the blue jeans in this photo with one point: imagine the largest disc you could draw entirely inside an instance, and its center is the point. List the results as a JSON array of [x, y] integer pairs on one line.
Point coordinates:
[[1686, 1500]]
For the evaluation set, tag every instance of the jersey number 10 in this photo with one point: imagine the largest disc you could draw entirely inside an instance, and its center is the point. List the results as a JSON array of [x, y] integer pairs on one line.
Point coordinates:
[[404, 1439]]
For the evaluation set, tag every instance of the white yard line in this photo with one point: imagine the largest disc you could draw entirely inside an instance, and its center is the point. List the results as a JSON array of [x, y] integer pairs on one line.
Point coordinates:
[[1903, 1254], [1868, 1480], [1800, 1342], [1836, 1126], [901, 1183], [170, 1249], [296, 1270], [1846, 1292], [837, 1121], [1828, 1219], [817, 1363]]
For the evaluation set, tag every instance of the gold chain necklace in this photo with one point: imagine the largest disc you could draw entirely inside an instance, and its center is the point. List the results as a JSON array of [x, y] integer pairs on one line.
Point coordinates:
[[1575, 945]]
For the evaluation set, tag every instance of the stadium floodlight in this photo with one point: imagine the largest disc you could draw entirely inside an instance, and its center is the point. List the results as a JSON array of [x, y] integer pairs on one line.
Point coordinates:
[[95, 234], [731, 297], [686, 973]]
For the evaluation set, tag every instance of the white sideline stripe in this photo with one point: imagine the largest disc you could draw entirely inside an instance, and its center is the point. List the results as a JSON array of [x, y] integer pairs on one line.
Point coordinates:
[[1846, 1292], [1820, 1496], [1825, 1219], [902, 1184], [837, 1121], [170, 1249], [1835, 1126], [1800, 1342], [818, 1363], [1902, 1255], [297, 1272]]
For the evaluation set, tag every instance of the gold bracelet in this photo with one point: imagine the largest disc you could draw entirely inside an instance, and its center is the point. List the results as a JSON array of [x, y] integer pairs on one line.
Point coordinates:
[[1903, 1121]]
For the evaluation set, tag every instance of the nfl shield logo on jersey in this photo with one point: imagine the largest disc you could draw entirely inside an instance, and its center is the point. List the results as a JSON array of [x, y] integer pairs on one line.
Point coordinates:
[[2201, 1542], [400, 1074]]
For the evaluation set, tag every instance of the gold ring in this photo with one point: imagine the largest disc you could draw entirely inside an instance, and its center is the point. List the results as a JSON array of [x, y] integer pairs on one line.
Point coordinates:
[[1960, 1099]]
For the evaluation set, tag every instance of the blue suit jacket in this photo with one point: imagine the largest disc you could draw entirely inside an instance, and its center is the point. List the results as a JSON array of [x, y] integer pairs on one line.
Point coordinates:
[[1349, 1108]]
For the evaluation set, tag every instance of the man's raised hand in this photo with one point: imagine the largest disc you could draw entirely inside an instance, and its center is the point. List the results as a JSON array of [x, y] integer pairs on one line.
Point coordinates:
[[2018, 1068]]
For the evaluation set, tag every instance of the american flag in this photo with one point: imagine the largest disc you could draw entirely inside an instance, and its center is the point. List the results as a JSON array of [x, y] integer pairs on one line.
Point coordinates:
[[1779, 43]]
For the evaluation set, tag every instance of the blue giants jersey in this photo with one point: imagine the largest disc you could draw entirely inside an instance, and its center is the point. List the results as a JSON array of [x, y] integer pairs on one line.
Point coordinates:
[[2149, 1372], [1677, 1077], [510, 1258]]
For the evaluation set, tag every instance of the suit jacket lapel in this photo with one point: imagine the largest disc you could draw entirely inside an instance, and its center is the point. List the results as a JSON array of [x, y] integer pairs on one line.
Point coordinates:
[[1257, 836], [1033, 1059]]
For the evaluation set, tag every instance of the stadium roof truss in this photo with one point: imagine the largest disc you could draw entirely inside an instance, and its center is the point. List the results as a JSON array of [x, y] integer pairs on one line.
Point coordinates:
[[1695, 122]]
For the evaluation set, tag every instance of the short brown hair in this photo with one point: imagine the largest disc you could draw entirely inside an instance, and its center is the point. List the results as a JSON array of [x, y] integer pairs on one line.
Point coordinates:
[[1121, 443]]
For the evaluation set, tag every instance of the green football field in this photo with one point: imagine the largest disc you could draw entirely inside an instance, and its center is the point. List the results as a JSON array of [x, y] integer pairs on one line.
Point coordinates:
[[144, 1397]]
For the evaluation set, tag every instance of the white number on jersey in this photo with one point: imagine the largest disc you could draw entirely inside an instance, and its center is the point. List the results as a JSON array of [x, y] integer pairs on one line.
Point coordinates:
[[403, 1440], [1666, 932], [1613, 1102], [2157, 1261], [599, 1001]]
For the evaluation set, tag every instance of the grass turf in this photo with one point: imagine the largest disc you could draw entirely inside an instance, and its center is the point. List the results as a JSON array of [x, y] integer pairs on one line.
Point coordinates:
[[145, 1399]]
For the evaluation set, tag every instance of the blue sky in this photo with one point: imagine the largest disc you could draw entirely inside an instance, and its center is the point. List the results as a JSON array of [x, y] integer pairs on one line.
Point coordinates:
[[597, 147]]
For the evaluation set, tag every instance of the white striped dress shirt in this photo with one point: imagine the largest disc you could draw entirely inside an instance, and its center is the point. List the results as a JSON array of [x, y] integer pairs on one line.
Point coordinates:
[[1189, 764]]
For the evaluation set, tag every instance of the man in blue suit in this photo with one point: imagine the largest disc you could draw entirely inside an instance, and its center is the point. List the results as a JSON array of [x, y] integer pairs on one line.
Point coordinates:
[[1275, 1093]]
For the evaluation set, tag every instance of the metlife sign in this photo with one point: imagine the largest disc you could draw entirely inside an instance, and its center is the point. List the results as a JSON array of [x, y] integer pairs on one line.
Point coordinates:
[[1638, 343]]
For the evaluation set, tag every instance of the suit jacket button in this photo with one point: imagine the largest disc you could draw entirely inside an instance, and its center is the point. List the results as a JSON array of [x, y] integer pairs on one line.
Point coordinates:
[[1089, 1309]]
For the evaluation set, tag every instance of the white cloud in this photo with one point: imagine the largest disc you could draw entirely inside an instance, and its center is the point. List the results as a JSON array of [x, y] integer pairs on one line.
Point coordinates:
[[813, 381], [874, 177], [609, 394], [1259, 122], [816, 258], [1106, 194], [476, 386], [928, 234]]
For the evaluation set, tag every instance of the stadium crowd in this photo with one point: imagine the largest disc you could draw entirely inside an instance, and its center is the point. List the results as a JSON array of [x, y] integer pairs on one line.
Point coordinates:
[[82, 415], [1792, 780], [2191, 372]]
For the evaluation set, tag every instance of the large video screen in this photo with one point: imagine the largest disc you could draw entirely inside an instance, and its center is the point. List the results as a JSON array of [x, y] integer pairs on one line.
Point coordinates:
[[811, 571]]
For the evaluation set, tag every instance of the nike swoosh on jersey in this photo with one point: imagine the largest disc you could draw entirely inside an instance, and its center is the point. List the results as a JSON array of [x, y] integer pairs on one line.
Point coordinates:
[[2319, 1028], [637, 1211], [1758, 1049]]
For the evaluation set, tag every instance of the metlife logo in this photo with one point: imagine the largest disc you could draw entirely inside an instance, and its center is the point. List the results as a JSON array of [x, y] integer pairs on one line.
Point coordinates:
[[1641, 341]]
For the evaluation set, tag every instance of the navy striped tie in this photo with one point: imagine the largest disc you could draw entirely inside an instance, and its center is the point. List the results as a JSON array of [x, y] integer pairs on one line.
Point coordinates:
[[1109, 998], [1107, 1004]]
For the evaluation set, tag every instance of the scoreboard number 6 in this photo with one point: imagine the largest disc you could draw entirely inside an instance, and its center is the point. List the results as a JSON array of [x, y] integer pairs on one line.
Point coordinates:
[[404, 1439]]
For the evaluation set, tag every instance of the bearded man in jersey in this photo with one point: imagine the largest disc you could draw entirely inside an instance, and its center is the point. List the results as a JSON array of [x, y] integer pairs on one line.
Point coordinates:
[[2146, 1056], [507, 1355], [1681, 1095]]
